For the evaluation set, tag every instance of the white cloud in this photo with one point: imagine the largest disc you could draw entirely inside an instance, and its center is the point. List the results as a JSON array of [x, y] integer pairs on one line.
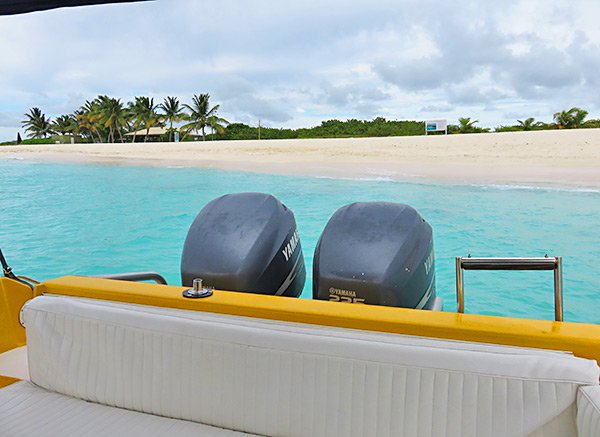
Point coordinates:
[[9, 119], [335, 59]]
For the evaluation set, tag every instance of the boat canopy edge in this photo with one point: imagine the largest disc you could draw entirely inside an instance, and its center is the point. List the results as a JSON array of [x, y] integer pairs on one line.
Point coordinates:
[[12, 7]]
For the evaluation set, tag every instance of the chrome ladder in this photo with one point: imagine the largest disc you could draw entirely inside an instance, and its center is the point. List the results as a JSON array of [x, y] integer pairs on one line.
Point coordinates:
[[544, 263]]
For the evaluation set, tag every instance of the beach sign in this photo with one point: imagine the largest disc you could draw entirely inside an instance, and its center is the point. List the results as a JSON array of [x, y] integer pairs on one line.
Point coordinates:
[[436, 126]]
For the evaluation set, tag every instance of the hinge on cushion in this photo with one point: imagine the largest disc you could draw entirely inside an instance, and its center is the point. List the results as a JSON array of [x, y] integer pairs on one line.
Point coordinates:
[[21, 320]]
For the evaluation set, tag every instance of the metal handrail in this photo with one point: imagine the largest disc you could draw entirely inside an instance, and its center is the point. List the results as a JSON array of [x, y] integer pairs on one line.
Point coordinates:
[[545, 263], [135, 277]]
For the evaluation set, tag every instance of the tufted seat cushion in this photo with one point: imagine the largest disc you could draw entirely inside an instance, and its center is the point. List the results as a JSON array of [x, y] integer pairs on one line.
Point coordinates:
[[30, 411], [588, 411], [276, 378]]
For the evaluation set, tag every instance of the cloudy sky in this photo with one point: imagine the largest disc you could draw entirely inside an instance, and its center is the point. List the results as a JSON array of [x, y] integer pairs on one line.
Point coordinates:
[[295, 63]]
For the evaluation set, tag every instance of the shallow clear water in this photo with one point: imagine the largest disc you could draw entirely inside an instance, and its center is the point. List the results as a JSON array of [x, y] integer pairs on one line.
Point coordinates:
[[92, 219]]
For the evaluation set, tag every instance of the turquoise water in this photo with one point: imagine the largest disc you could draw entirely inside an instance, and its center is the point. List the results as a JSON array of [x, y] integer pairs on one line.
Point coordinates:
[[93, 219]]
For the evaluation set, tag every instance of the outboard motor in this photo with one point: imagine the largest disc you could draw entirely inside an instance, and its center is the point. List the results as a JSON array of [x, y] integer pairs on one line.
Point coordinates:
[[245, 242], [376, 253]]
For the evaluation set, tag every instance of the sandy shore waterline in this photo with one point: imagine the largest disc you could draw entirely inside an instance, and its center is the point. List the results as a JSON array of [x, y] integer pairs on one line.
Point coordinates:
[[539, 158]]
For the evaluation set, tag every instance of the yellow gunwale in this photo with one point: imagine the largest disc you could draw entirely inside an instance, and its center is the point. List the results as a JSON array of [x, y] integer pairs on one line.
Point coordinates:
[[580, 338], [5, 381], [13, 296]]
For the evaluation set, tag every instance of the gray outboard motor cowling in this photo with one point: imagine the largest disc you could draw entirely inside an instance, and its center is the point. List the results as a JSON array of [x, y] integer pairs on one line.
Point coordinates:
[[376, 253], [245, 242]]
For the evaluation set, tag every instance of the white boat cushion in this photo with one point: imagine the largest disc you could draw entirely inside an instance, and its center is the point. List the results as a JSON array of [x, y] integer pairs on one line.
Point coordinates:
[[277, 378], [30, 411], [588, 411]]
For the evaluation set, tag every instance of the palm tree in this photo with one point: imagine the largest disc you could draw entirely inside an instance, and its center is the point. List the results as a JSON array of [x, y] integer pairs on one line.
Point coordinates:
[[88, 117], [173, 112], [578, 117], [134, 114], [112, 115], [64, 125], [144, 115], [466, 125], [37, 124], [571, 119], [562, 119], [528, 124], [217, 124], [200, 115]]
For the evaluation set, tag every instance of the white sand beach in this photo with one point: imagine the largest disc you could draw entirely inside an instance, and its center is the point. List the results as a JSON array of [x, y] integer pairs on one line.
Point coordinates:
[[540, 158]]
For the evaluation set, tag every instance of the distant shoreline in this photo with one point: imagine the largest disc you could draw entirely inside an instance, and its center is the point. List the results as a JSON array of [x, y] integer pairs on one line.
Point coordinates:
[[557, 158]]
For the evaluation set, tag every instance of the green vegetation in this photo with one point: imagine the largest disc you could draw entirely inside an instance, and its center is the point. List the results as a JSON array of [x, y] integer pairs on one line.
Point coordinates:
[[379, 127], [573, 118], [528, 124], [173, 113], [106, 119], [112, 116], [30, 141], [143, 115], [37, 124], [201, 116], [64, 125], [466, 126]]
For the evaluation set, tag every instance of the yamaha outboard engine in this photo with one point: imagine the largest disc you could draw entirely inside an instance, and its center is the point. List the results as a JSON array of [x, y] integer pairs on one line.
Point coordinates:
[[245, 242], [376, 253]]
